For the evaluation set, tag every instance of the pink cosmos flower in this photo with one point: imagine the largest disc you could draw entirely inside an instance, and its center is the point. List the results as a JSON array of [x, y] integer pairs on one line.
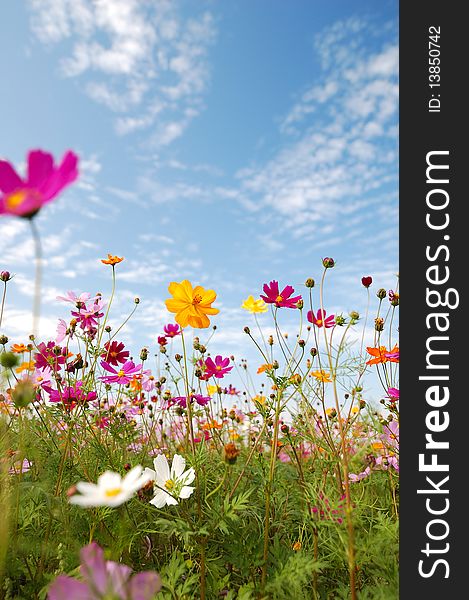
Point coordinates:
[[393, 393], [182, 400], [115, 353], [104, 579], [320, 319], [70, 397], [50, 356], [124, 375], [171, 330], [20, 467], [61, 331], [78, 301], [216, 368], [25, 197], [148, 381], [88, 315], [280, 299], [162, 341]]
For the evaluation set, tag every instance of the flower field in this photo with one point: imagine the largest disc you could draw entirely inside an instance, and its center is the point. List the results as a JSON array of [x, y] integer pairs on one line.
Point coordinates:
[[144, 473]]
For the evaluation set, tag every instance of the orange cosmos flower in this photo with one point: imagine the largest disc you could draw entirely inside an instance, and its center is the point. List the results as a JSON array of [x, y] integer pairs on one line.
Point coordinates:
[[191, 305], [322, 376], [379, 355], [111, 260], [19, 348], [266, 367]]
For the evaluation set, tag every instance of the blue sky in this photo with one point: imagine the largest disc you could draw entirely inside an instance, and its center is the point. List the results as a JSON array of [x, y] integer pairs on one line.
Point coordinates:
[[229, 143]]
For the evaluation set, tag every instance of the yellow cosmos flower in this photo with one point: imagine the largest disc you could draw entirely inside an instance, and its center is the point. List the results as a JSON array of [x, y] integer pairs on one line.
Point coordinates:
[[322, 376], [25, 366], [355, 409], [259, 400], [214, 389], [191, 305], [254, 306]]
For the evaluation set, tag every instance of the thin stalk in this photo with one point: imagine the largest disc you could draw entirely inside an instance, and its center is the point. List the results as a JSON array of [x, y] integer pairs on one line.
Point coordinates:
[[38, 276]]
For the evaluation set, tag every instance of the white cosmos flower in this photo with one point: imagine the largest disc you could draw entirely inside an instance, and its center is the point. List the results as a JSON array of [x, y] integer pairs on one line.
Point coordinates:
[[111, 489], [170, 484]]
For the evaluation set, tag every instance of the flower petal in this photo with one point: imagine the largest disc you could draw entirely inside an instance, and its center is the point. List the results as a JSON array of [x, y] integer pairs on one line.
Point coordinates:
[[144, 586], [40, 167], [177, 467], [9, 178], [161, 468], [67, 588]]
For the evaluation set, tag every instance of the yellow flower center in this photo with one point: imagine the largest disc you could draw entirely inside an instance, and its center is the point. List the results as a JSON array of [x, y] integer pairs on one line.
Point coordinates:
[[218, 368], [17, 198], [197, 299], [112, 492], [319, 322], [121, 373], [279, 299], [169, 485]]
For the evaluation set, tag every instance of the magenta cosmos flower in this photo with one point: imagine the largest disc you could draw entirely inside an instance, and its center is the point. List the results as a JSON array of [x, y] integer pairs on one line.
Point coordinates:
[[216, 368], [24, 197], [124, 375], [70, 397], [88, 315], [182, 400], [320, 319], [104, 579], [171, 330], [115, 353], [280, 299]]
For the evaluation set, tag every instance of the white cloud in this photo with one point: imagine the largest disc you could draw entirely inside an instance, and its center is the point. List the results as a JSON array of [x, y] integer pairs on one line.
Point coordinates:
[[143, 60]]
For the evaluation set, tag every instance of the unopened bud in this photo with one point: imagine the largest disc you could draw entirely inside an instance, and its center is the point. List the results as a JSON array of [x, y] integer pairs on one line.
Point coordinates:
[[381, 293], [379, 324], [5, 276], [328, 262], [137, 300], [247, 330], [309, 283]]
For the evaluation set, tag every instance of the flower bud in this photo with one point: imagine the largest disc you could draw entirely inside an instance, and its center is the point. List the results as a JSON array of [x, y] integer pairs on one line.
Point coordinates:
[[340, 320], [367, 281], [328, 262], [300, 304], [309, 283], [270, 340], [230, 453], [379, 324], [8, 360], [284, 428], [3, 340], [301, 343], [137, 300], [353, 314], [144, 354], [381, 293], [5, 276], [23, 393], [313, 351], [107, 329], [178, 357], [247, 330]]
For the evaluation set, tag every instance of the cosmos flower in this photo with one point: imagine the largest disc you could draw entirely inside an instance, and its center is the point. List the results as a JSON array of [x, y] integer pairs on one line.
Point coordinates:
[[367, 281], [216, 368], [104, 579], [25, 197], [61, 331], [115, 353], [111, 489], [124, 375], [71, 396], [78, 301], [254, 306], [50, 355], [171, 483], [19, 348], [182, 400], [322, 376], [320, 319], [280, 299], [191, 305], [171, 330], [87, 315], [112, 260], [382, 355], [393, 394]]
